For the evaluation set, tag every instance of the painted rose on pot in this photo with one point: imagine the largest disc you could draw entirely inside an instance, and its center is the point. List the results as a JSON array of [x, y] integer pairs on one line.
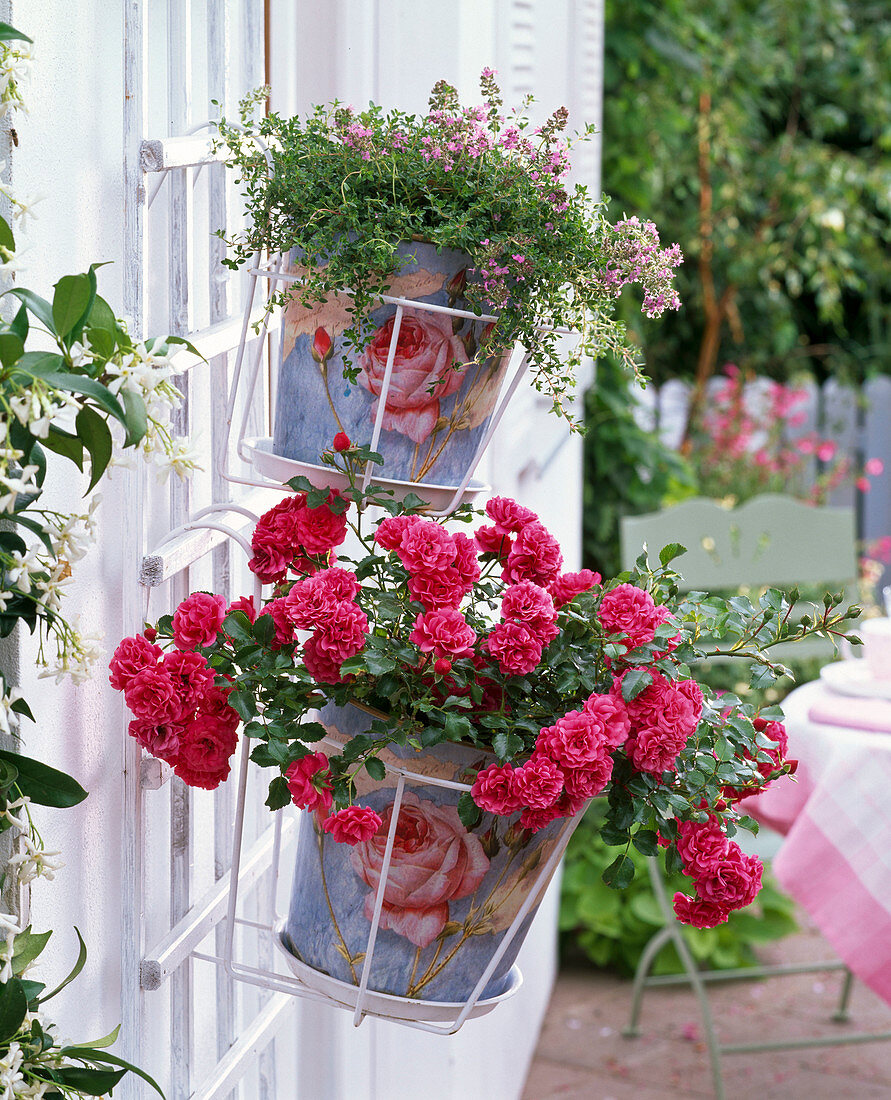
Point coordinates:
[[428, 365], [435, 860]]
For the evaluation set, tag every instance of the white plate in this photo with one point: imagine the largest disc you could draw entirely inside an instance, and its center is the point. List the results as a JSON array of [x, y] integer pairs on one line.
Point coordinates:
[[853, 678], [280, 469], [385, 1004]]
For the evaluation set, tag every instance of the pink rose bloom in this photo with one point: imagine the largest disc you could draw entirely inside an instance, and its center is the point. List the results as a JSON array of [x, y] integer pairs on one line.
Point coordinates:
[[435, 860], [874, 467], [197, 620], [701, 914], [206, 747], [631, 612], [535, 556], [320, 664], [342, 636], [426, 547], [733, 882], [216, 704], [539, 783], [515, 648], [339, 582], [390, 530], [191, 674], [151, 694], [569, 585], [654, 750], [531, 605], [319, 530], [444, 632], [574, 741], [279, 610], [580, 784], [490, 541], [494, 790], [444, 588], [508, 516], [161, 741], [310, 604], [269, 563], [466, 562], [533, 820], [353, 824], [701, 845], [309, 782], [611, 716], [132, 656], [244, 604], [428, 365]]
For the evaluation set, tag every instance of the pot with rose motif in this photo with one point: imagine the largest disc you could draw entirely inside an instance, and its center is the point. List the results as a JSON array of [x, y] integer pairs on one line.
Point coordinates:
[[442, 389], [451, 894]]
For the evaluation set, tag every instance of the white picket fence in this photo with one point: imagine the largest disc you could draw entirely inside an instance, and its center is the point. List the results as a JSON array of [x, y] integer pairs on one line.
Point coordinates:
[[858, 421]]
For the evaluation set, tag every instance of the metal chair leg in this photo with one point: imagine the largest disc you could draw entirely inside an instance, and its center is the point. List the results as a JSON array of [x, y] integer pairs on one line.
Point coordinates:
[[841, 1014]]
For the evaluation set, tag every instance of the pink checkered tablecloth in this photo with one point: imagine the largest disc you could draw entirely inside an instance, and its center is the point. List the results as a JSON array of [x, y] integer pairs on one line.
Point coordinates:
[[836, 816]]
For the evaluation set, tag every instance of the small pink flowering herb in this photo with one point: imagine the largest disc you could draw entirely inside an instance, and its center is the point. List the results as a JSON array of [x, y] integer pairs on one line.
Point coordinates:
[[347, 186]]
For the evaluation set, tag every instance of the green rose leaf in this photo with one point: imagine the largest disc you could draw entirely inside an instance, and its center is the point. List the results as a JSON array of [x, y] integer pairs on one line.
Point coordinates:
[[670, 552], [620, 873]]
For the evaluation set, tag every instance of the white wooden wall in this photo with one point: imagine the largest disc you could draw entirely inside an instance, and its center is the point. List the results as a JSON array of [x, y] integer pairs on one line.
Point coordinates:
[[110, 74]]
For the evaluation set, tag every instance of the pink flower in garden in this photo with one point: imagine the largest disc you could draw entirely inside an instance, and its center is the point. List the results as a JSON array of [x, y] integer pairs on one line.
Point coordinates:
[[733, 882], [531, 605], [466, 562], [863, 484], [319, 530], [444, 632], [280, 612], [320, 664], [539, 783], [701, 845], [191, 674], [197, 620], [310, 603], [509, 517], [132, 656], [340, 583], [435, 861], [245, 604], [425, 547], [309, 782], [569, 585], [428, 365], [353, 824], [494, 790], [631, 612], [701, 914], [490, 541], [515, 648], [390, 530], [341, 442], [610, 715], [161, 740], [534, 556], [206, 747], [151, 694], [439, 589], [340, 637], [580, 784], [574, 741], [826, 450], [269, 563], [874, 467]]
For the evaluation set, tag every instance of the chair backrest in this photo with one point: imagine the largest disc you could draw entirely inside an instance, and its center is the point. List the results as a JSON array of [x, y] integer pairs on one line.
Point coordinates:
[[772, 539]]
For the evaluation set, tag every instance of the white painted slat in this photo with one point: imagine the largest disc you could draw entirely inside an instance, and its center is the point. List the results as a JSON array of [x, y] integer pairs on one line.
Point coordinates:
[[220, 337], [674, 398], [135, 282], [240, 1059], [163, 154], [163, 958]]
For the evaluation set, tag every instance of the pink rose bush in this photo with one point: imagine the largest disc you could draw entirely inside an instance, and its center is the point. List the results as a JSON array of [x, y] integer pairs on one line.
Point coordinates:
[[568, 686]]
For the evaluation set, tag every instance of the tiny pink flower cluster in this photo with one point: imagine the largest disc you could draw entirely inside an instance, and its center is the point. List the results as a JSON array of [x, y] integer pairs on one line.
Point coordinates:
[[309, 781]]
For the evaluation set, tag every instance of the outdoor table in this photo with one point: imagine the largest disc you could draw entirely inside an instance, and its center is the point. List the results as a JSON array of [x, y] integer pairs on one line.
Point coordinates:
[[835, 813]]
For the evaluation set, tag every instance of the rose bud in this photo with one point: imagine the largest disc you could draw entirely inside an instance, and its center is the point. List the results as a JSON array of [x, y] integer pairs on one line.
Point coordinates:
[[442, 666], [322, 346], [455, 286], [150, 633], [342, 441]]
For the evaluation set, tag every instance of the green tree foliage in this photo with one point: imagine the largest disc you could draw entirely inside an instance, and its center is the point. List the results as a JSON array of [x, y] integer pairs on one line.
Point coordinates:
[[757, 135]]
